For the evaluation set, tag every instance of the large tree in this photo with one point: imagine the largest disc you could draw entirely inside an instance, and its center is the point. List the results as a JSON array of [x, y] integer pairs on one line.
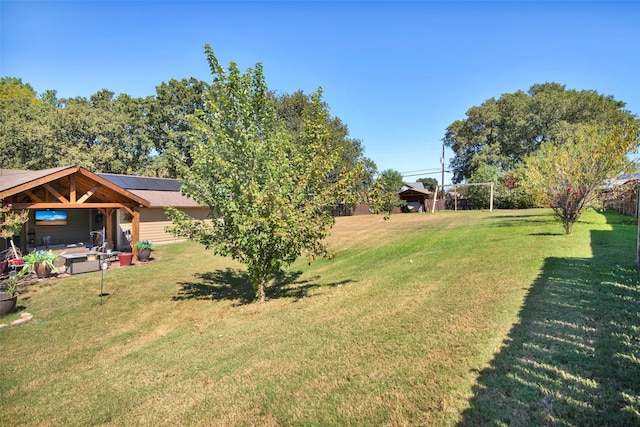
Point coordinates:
[[103, 133], [169, 124], [291, 108], [502, 132], [568, 174], [24, 131], [267, 193]]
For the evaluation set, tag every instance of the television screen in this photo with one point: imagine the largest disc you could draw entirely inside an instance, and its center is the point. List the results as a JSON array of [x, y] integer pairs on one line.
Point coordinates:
[[51, 218]]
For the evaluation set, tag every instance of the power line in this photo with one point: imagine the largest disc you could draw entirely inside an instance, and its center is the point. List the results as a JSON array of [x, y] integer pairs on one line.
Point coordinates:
[[421, 170], [424, 173]]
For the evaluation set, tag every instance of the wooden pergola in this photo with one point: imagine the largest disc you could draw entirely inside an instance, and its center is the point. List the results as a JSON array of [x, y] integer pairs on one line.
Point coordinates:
[[71, 187]]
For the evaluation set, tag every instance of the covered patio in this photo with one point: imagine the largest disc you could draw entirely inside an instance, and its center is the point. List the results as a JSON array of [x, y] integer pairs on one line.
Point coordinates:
[[68, 206]]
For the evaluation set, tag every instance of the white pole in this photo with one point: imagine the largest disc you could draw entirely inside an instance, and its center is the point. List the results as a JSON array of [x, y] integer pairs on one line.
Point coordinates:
[[491, 202], [435, 199]]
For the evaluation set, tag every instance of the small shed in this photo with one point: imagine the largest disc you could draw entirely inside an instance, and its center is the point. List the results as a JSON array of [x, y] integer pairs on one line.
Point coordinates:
[[415, 197]]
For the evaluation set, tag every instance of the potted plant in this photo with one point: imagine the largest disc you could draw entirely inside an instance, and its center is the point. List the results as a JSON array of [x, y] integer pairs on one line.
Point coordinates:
[[9, 296], [40, 261], [125, 258], [144, 248]]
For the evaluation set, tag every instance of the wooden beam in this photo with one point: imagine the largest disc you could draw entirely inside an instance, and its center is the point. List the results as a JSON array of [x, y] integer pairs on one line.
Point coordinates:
[[33, 196], [40, 181], [55, 193], [70, 205], [72, 189], [88, 194]]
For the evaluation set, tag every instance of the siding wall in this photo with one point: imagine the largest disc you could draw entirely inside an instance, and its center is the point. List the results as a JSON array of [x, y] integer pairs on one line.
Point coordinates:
[[153, 222]]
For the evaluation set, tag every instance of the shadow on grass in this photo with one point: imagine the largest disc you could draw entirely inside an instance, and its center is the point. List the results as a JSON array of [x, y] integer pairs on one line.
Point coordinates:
[[234, 284], [517, 220], [574, 358]]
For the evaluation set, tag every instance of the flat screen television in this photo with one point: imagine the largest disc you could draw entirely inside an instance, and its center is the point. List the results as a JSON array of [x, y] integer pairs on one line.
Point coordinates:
[[51, 218]]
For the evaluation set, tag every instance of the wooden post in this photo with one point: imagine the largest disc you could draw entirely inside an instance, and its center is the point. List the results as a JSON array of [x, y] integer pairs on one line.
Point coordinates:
[[455, 197], [108, 223], [135, 231]]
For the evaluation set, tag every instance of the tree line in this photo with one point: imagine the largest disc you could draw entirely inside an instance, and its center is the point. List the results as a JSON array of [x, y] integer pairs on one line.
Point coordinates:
[[496, 142], [121, 134]]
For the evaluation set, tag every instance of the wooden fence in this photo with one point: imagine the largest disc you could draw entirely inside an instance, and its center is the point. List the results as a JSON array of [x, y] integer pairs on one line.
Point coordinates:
[[623, 200]]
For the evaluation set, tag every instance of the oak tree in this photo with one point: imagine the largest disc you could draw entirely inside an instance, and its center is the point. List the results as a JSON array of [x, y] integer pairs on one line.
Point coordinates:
[[502, 132]]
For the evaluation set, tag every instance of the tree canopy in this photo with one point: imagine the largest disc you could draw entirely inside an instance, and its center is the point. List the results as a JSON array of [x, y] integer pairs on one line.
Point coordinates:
[[502, 132], [147, 136], [267, 188]]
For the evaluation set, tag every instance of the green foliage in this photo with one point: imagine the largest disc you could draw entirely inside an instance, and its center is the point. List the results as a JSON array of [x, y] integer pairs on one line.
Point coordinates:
[[38, 256], [169, 123], [143, 244], [291, 108], [502, 132], [480, 195], [384, 196], [11, 221], [267, 192], [10, 285], [569, 175], [429, 183]]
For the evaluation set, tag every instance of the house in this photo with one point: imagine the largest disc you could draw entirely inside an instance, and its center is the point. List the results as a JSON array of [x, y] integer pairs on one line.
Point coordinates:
[[71, 205]]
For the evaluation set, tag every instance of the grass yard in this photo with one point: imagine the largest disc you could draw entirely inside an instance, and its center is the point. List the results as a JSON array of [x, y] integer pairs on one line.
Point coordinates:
[[457, 318]]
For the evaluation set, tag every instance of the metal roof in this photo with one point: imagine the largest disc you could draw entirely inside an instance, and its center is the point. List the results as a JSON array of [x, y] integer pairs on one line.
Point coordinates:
[[142, 182]]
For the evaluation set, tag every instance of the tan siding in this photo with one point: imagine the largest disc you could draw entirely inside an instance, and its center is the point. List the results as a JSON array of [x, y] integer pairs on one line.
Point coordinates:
[[153, 222]]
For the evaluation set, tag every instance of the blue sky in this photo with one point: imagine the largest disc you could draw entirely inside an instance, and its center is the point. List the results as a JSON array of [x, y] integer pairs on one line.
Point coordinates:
[[397, 73]]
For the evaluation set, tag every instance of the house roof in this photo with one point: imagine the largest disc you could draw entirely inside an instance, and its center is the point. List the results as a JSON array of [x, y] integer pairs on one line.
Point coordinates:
[[10, 178], [160, 192], [415, 190], [417, 185], [73, 186], [166, 198]]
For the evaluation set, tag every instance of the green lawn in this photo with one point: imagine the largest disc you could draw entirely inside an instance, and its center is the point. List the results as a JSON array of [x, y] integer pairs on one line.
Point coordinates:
[[457, 318]]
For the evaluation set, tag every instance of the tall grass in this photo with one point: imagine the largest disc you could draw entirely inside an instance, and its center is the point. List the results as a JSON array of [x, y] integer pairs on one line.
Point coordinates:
[[420, 320]]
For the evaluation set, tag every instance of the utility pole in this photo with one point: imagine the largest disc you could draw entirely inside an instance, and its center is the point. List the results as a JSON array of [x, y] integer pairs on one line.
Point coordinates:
[[442, 162]]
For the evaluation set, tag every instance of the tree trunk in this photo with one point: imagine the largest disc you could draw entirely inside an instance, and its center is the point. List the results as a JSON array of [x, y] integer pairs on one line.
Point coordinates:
[[261, 292]]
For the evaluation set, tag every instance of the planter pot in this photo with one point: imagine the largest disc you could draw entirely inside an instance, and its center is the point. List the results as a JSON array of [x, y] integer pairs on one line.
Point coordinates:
[[3, 266], [125, 258], [7, 305], [144, 254], [42, 270], [17, 261]]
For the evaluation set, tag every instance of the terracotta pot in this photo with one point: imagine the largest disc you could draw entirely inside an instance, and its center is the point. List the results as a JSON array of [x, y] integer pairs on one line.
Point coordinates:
[[7, 305], [3, 265], [125, 258], [42, 270], [144, 254]]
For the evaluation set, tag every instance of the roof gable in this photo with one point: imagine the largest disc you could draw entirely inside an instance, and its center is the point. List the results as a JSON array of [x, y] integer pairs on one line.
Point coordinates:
[[72, 186]]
